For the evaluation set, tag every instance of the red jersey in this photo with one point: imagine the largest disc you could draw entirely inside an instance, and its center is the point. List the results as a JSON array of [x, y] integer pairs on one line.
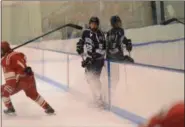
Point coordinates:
[[13, 65], [174, 117]]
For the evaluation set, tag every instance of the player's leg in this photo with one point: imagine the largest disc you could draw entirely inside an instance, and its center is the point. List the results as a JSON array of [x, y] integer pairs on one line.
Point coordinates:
[[93, 77], [32, 93], [6, 92], [94, 83]]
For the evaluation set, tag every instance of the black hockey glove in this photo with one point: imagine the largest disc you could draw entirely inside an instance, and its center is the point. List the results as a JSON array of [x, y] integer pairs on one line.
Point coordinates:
[[87, 62], [28, 71], [79, 47], [128, 59], [129, 45]]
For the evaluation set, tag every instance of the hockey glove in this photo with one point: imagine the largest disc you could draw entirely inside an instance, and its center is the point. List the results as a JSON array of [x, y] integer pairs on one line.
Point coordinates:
[[87, 62], [79, 47], [129, 46], [128, 59], [28, 71]]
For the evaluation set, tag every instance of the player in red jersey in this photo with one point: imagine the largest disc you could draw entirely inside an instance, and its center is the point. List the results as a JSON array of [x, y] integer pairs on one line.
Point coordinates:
[[18, 76], [173, 117]]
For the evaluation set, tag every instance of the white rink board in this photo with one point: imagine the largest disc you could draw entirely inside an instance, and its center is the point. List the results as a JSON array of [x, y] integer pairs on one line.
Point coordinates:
[[145, 91], [166, 55], [55, 67], [139, 90], [36, 58]]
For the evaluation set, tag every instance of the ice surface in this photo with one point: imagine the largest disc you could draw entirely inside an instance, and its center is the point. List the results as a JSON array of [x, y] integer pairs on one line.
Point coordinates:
[[70, 111]]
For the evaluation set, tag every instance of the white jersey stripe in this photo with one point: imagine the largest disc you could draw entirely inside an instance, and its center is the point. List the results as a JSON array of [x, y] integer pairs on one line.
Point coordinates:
[[21, 64], [10, 79], [9, 75]]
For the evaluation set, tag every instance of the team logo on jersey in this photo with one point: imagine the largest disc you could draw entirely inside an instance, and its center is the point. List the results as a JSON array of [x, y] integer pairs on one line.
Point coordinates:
[[88, 40], [91, 34]]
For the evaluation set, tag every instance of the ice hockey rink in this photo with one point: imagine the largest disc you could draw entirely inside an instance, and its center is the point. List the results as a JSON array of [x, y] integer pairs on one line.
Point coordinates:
[[73, 106], [134, 100], [136, 92], [71, 111]]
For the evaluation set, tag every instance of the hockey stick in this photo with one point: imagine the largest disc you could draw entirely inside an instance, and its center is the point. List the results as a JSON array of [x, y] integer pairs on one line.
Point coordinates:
[[166, 22], [61, 27]]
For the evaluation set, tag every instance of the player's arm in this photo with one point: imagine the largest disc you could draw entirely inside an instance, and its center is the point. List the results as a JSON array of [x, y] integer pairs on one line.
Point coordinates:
[[108, 43], [80, 44], [19, 64], [90, 52], [126, 41], [101, 48], [123, 39], [107, 40], [104, 42], [16, 66]]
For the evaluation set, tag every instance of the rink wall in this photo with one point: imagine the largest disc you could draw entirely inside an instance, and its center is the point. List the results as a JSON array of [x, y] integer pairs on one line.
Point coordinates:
[[144, 91], [134, 91], [154, 45]]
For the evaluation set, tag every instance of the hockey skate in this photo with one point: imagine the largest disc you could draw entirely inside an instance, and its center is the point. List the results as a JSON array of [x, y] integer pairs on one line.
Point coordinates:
[[10, 111], [99, 103], [50, 111]]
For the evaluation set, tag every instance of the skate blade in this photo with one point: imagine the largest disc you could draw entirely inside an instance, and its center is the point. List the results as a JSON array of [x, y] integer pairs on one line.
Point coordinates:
[[51, 114], [10, 114], [103, 107], [99, 107]]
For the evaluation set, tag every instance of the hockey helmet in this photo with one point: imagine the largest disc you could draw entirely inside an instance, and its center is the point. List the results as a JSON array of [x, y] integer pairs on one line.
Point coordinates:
[[5, 48], [94, 20], [115, 21]]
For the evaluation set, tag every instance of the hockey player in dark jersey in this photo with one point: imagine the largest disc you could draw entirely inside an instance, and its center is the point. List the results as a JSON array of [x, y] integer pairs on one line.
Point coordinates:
[[92, 46], [116, 40]]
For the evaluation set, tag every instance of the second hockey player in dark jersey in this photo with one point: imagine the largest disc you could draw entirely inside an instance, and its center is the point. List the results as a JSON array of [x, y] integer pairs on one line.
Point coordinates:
[[92, 45], [116, 40]]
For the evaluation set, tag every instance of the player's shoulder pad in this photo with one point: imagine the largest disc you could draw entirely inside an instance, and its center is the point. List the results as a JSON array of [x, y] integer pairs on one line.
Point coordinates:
[[86, 30], [16, 55], [12, 56], [100, 32], [121, 30]]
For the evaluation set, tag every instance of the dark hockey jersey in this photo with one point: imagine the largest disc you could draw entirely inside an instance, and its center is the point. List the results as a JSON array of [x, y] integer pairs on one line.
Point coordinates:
[[94, 44], [115, 41]]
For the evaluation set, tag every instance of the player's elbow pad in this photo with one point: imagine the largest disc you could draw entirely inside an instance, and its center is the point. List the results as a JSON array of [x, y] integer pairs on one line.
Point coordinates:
[[79, 46]]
